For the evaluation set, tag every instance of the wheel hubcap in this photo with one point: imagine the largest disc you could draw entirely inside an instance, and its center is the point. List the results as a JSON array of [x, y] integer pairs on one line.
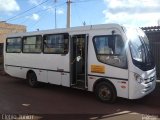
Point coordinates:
[[104, 93], [31, 80]]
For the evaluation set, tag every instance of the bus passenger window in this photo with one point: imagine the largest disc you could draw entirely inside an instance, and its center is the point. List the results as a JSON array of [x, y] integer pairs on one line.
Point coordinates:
[[32, 44], [110, 50], [13, 45], [55, 44]]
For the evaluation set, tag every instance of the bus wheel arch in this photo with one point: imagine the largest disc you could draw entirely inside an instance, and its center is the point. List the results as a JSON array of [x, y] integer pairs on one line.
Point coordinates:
[[32, 78], [105, 90]]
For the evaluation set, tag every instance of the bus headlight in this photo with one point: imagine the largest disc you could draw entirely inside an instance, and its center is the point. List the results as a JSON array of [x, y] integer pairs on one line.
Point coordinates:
[[138, 78]]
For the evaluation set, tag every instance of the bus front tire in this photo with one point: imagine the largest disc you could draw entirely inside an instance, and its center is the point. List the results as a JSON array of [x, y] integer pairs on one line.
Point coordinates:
[[32, 79], [105, 92]]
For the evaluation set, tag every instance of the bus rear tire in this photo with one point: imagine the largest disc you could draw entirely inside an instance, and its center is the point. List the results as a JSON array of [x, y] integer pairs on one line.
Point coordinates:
[[105, 92], [32, 79]]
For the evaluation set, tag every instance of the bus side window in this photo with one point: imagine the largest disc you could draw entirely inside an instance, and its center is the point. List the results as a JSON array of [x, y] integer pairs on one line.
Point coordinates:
[[55, 43], [32, 44], [13, 45], [110, 50]]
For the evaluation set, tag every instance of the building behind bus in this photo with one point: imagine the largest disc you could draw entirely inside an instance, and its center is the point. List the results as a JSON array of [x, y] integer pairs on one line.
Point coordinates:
[[7, 28]]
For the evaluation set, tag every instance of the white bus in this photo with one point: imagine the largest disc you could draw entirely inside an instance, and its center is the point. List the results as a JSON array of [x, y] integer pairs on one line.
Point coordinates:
[[110, 60]]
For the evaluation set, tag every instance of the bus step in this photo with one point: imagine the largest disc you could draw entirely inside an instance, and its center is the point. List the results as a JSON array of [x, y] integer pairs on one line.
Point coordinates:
[[80, 77], [80, 88], [80, 80], [80, 74]]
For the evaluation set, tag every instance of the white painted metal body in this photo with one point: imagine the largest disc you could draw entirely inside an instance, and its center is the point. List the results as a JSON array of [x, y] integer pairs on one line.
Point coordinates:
[[46, 66]]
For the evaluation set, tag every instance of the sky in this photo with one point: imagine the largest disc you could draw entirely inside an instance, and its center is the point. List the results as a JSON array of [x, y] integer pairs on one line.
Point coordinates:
[[40, 14]]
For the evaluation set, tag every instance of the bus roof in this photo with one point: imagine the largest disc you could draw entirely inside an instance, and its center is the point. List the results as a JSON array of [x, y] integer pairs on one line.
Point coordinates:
[[66, 30]]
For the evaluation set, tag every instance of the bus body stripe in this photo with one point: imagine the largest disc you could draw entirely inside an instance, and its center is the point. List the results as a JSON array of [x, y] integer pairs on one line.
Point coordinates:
[[39, 68], [108, 77], [68, 72]]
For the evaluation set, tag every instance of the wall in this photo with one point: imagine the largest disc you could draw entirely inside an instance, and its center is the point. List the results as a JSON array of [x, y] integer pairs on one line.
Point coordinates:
[[6, 28]]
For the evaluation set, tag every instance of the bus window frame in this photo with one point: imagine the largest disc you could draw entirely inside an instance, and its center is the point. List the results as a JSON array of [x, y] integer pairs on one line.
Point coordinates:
[[96, 53], [7, 44], [64, 53], [33, 44]]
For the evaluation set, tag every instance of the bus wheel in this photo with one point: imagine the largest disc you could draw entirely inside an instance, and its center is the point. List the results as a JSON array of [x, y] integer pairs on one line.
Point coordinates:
[[32, 79], [105, 92]]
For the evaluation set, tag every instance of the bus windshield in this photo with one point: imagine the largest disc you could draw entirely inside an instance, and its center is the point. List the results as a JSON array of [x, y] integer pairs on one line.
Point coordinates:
[[140, 50]]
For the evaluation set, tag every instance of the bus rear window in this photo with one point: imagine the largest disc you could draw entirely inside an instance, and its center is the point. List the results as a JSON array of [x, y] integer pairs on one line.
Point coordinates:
[[13, 45]]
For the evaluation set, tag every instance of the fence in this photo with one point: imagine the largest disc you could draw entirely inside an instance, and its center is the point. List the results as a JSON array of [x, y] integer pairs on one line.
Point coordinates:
[[153, 33], [155, 47]]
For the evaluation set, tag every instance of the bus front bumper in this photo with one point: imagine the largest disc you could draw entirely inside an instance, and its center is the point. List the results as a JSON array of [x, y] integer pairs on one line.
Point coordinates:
[[144, 88]]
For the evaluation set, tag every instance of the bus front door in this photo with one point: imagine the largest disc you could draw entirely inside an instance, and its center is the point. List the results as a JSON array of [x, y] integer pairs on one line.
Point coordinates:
[[78, 60]]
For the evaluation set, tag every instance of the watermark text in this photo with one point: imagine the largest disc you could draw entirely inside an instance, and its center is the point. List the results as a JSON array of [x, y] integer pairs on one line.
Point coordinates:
[[16, 117]]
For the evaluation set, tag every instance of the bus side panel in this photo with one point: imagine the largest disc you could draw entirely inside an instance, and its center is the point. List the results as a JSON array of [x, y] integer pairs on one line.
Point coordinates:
[[12, 65], [117, 76], [41, 75], [48, 67], [65, 79], [54, 77], [120, 86], [16, 71], [57, 66]]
